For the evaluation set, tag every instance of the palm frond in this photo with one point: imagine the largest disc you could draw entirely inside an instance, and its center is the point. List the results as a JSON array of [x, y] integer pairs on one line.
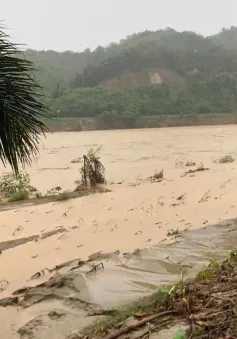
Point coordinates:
[[21, 110]]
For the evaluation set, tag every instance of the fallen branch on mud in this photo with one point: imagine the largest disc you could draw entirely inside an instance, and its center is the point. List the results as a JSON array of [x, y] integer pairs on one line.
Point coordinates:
[[102, 312], [96, 267], [200, 168], [137, 324], [157, 176]]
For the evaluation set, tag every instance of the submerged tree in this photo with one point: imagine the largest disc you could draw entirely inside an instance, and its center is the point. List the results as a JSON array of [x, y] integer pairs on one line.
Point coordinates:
[[20, 107], [92, 171]]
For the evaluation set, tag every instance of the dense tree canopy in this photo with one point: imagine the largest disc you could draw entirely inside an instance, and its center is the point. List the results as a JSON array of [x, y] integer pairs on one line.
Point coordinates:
[[226, 38]]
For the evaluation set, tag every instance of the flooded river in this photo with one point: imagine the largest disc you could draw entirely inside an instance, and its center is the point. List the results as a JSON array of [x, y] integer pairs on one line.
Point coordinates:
[[129, 154], [134, 229]]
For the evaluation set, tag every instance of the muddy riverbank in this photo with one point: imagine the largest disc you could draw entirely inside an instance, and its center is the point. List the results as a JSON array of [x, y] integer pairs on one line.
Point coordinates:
[[60, 300], [94, 123]]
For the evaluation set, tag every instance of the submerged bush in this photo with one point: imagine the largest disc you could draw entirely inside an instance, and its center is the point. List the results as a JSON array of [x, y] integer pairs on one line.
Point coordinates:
[[17, 187], [92, 171], [18, 196], [226, 159]]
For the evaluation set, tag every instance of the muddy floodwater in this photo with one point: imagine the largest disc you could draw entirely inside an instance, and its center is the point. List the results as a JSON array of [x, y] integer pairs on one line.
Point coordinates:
[[136, 236], [129, 154]]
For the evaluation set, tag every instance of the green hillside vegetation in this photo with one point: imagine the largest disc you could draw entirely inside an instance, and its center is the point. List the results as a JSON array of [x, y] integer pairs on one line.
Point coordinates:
[[183, 53], [78, 84]]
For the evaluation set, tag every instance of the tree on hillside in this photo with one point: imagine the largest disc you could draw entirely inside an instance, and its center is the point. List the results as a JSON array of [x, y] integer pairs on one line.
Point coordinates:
[[20, 107], [226, 38]]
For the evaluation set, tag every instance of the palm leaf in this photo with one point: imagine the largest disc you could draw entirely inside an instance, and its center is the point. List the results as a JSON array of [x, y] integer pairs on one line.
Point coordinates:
[[21, 110]]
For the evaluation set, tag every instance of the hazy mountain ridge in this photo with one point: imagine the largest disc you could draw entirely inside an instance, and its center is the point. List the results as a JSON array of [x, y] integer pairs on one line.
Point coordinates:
[[180, 53]]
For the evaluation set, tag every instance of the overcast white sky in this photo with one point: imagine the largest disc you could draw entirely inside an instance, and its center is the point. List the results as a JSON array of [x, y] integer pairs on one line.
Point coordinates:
[[78, 24]]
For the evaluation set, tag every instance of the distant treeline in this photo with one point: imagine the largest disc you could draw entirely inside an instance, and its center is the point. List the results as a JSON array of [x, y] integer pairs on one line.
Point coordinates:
[[218, 94]]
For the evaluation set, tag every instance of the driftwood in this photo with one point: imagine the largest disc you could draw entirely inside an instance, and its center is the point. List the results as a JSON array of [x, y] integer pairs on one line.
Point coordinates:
[[137, 324], [200, 168]]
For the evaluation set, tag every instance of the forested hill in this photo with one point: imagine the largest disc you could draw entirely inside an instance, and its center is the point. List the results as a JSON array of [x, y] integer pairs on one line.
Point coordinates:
[[161, 56], [147, 74]]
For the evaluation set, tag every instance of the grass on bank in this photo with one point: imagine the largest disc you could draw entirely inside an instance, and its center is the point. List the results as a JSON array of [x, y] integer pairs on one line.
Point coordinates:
[[18, 196], [66, 195], [207, 304]]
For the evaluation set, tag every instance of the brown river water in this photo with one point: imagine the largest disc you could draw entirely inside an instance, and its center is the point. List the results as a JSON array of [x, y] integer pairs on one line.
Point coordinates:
[[141, 231]]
